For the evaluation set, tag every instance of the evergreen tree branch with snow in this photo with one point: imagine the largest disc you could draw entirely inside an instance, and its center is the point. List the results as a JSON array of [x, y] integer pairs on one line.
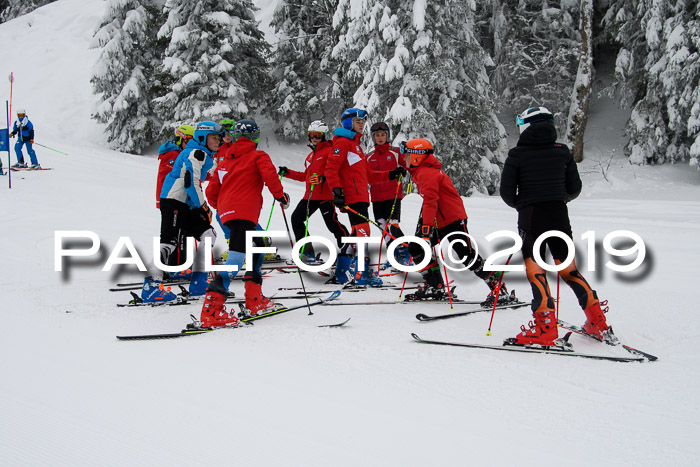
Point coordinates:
[[216, 61], [301, 67], [658, 73], [124, 77]]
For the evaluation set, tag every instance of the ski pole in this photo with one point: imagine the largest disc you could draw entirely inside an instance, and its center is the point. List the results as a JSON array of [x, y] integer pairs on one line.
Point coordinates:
[[368, 220], [557, 314], [12, 80], [444, 267], [291, 243], [306, 229], [272, 209], [391, 214], [52, 149], [9, 159], [420, 221], [498, 289]]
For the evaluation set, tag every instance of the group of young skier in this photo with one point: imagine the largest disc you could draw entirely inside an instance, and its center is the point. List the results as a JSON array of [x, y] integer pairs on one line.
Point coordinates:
[[539, 178]]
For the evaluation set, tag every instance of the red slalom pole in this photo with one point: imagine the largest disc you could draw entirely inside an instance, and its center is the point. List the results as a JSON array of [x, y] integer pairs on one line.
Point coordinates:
[[12, 80], [391, 214], [558, 276], [495, 302]]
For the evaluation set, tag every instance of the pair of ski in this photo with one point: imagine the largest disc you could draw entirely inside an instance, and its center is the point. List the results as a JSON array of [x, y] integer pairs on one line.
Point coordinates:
[[195, 327], [126, 286], [19, 169], [562, 347]]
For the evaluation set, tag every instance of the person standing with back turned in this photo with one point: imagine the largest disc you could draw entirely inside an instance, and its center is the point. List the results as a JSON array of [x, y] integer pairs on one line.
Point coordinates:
[[539, 178]]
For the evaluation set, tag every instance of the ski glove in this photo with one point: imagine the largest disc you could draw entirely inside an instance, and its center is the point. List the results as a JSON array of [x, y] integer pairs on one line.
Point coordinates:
[[397, 172], [205, 213], [283, 200], [31, 141], [317, 179], [282, 171], [338, 197]]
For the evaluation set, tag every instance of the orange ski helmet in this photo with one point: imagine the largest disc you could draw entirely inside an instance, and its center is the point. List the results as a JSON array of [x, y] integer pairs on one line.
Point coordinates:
[[417, 149]]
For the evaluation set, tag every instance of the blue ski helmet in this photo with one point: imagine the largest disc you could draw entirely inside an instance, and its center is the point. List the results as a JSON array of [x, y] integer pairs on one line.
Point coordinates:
[[349, 114], [248, 129], [203, 129]]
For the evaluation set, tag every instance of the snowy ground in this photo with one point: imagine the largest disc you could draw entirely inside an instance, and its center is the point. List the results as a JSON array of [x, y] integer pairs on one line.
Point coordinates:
[[286, 392]]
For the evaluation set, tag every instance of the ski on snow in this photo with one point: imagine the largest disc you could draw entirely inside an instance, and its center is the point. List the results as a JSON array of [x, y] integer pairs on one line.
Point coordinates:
[[337, 325], [318, 301], [564, 349], [611, 340], [424, 317], [195, 329]]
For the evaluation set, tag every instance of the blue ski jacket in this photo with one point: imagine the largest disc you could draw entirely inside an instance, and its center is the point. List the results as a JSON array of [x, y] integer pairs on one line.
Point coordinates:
[[191, 168], [24, 128]]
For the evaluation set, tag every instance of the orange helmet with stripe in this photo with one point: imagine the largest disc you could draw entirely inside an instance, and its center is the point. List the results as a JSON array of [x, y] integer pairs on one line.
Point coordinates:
[[416, 151]]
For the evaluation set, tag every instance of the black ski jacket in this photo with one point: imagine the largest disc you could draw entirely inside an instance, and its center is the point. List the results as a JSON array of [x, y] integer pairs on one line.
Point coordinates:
[[539, 169]]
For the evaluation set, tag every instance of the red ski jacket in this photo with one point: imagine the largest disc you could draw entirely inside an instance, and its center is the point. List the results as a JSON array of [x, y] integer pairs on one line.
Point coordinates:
[[235, 190], [167, 154], [221, 153], [441, 201], [349, 159], [383, 158], [315, 164]]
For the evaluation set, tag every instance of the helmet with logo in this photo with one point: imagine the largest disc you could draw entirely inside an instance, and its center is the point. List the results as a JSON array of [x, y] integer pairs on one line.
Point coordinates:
[[204, 129], [248, 129], [349, 114], [533, 115], [381, 126], [317, 126], [228, 124], [183, 134], [417, 149]]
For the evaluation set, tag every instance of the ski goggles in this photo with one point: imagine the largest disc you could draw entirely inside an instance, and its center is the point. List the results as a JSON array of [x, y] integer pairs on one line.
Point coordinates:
[[359, 114], [316, 134], [403, 149]]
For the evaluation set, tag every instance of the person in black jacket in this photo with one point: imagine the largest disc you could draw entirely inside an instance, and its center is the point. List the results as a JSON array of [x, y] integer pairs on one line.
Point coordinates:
[[539, 177]]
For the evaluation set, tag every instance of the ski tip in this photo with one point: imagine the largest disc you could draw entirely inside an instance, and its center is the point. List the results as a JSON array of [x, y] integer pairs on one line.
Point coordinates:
[[334, 295], [415, 336], [421, 317]]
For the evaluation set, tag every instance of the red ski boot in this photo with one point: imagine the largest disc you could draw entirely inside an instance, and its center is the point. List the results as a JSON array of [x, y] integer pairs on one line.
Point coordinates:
[[542, 332], [214, 311], [595, 319], [255, 302]]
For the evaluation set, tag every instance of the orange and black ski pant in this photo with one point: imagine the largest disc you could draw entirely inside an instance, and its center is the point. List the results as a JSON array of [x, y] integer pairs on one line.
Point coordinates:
[[533, 221]]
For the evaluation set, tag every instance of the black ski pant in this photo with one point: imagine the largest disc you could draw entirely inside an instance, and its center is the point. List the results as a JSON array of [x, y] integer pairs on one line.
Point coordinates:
[[330, 217], [461, 244]]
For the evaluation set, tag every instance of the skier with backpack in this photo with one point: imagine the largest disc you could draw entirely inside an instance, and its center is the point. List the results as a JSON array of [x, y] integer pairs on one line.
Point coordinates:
[[235, 191], [348, 175], [318, 195], [386, 196], [539, 178], [183, 207], [442, 214]]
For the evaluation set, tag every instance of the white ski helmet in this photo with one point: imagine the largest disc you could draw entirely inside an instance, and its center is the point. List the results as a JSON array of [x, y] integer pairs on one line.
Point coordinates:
[[21, 111], [320, 127], [532, 115]]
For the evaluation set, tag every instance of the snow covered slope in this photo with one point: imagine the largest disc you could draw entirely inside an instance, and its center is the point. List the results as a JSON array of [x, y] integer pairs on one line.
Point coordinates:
[[285, 392]]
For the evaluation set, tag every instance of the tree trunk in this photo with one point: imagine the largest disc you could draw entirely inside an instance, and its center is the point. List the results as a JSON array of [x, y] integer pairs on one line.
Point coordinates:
[[581, 95]]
